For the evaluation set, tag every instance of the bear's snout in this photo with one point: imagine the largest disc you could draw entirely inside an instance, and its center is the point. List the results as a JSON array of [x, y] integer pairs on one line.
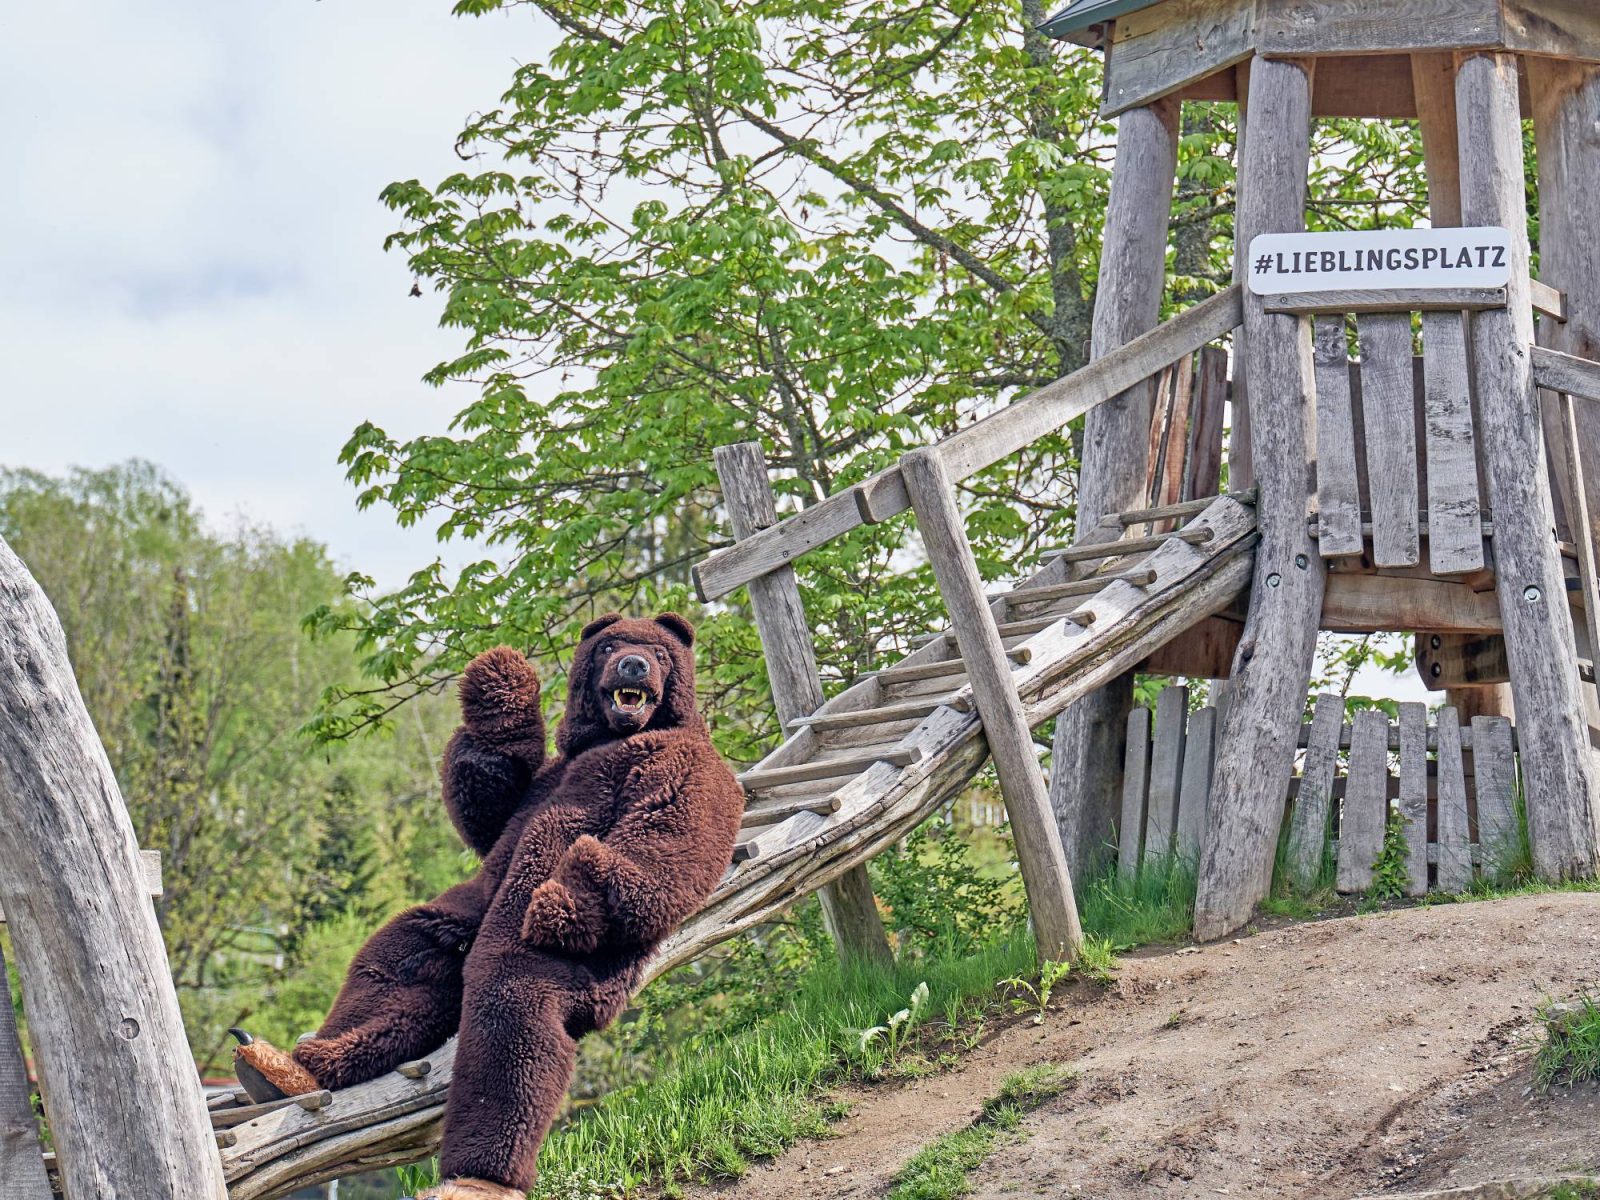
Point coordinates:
[[633, 668]]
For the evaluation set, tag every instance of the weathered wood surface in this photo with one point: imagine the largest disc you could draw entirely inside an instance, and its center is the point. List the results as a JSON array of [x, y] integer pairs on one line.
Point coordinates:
[[1206, 652], [1255, 750], [1127, 546], [126, 1110], [1045, 875], [1382, 603], [1084, 785], [1135, 792], [1391, 302], [1161, 49], [1204, 473], [1566, 373], [1388, 410], [1338, 498], [978, 445], [150, 864], [1366, 801], [1460, 660], [1414, 794], [1166, 771], [1313, 805], [1194, 794], [1558, 767], [1454, 858], [1455, 537], [1495, 779], [1555, 28], [22, 1174], [848, 907], [1357, 26]]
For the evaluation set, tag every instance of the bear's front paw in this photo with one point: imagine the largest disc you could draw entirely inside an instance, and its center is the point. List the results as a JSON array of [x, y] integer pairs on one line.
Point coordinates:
[[557, 921], [500, 697]]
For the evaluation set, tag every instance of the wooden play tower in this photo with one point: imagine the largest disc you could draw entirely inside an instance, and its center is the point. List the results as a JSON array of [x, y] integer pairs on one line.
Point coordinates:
[[1401, 459]]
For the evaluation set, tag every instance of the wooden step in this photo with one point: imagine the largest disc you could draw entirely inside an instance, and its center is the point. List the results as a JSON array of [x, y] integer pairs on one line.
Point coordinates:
[[1120, 549], [771, 814], [223, 1118], [755, 780], [860, 717], [1139, 577]]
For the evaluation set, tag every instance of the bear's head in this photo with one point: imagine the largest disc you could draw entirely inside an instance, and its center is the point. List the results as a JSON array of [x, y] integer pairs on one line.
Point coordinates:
[[628, 675]]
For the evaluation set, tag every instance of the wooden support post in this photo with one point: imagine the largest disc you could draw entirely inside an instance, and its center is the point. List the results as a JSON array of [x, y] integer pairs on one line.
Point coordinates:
[[1085, 785], [22, 1174], [1272, 670], [1044, 864], [848, 906], [126, 1112], [1558, 767]]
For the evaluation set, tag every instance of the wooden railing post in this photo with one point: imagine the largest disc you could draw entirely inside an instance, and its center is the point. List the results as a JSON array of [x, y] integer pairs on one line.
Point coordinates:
[[123, 1096], [22, 1174], [848, 906], [1045, 874]]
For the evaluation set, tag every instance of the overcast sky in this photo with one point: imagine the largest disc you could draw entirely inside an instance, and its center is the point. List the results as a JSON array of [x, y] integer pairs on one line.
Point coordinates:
[[192, 260]]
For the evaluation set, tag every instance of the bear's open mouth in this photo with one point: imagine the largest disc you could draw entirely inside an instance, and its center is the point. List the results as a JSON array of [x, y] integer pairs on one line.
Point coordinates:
[[630, 701]]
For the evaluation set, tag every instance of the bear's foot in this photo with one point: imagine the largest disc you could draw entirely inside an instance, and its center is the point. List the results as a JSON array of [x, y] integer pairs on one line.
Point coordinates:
[[469, 1189], [267, 1073]]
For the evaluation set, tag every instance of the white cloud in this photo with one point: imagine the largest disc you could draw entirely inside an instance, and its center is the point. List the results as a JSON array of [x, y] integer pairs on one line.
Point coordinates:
[[193, 266]]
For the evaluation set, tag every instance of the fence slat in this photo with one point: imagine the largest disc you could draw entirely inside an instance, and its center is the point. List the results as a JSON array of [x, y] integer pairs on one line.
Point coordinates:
[[1388, 409], [1366, 801], [1308, 828], [1455, 537], [1205, 434], [1194, 796], [1495, 772], [1135, 784], [1455, 852], [1414, 794], [1338, 500], [1166, 771]]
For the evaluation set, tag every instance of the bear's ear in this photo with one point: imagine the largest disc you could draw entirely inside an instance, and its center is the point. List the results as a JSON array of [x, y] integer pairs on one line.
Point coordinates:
[[599, 623], [677, 626]]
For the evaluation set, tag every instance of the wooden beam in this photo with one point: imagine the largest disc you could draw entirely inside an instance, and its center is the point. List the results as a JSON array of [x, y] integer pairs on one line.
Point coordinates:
[[1566, 373], [1086, 784], [1164, 48], [1394, 300], [1039, 853], [1387, 604], [848, 907], [1462, 660], [1295, 27], [1267, 692], [1205, 652], [1558, 768], [126, 1110]]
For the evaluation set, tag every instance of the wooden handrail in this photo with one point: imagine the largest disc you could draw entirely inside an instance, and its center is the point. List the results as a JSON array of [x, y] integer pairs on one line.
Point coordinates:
[[979, 445], [1566, 373]]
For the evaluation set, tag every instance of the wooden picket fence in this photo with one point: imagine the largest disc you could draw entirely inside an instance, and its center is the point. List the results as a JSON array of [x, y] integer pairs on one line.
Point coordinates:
[[1454, 785]]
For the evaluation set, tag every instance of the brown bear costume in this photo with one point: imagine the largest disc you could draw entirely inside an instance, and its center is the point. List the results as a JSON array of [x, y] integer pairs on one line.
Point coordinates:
[[589, 861]]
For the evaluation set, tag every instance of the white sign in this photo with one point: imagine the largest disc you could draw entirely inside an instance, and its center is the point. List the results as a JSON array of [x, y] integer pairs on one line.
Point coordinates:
[[1379, 259]]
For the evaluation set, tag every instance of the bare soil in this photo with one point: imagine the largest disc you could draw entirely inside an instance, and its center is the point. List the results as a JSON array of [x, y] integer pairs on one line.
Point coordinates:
[[1388, 1052]]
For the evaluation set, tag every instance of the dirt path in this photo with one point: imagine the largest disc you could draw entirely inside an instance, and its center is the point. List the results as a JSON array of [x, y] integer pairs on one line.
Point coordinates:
[[1318, 1060]]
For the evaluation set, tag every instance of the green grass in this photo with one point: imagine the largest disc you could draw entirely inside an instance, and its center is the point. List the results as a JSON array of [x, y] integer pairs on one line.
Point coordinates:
[[1571, 1050], [940, 1170], [1574, 1190], [1157, 905]]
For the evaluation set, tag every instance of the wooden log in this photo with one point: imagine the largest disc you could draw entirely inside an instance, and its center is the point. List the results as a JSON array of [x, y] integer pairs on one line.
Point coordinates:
[[1495, 777], [856, 718], [1135, 792], [1126, 546], [1338, 496], [1388, 413], [1390, 301], [1313, 805], [126, 1111], [1194, 794], [1087, 750], [1454, 857], [831, 768], [1166, 772], [150, 861], [848, 908], [1044, 865], [1558, 767], [1138, 576], [22, 1175], [1414, 794], [1366, 801], [1267, 691]]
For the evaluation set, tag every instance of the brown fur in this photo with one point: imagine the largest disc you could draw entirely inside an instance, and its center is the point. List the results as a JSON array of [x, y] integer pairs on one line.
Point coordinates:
[[470, 1189], [280, 1070], [590, 860]]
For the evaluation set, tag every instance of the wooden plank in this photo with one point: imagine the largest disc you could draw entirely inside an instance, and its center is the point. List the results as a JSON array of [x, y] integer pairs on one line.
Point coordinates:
[[1548, 301], [103, 1015], [1455, 538], [1295, 27], [1366, 801], [786, 647], [1582, 466], [1135, 792], [755, 781], [1554, 28], [1495, 773], [1566, 373], [1414, 794], [1313, 805], [1206, 651], [856, 718], [1557, 763], [1127, 546], [1039, 853], [1454, 856], [1370, 86], [1204, 474], [1387, 409], [1433, 83], [1138, 576], [1266, 693], [1391, 302], [22, 1175], [1162, 49], [1166, 771], [1194, 793], [1382, 603], [1338, 497]]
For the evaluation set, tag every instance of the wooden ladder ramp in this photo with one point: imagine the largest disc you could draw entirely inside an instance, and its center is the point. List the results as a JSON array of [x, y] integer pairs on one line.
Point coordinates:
[[850, 780]]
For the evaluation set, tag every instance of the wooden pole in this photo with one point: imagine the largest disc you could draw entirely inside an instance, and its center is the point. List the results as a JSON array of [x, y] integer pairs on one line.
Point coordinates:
[[1272, 668], [120, 1086], [1559, 777], [22, 1174], [848, 906], [1045, 874], [1090, 739]]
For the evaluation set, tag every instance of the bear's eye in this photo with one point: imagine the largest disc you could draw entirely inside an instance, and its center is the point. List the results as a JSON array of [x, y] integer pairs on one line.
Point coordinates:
[[661, 656], [606, 647]]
